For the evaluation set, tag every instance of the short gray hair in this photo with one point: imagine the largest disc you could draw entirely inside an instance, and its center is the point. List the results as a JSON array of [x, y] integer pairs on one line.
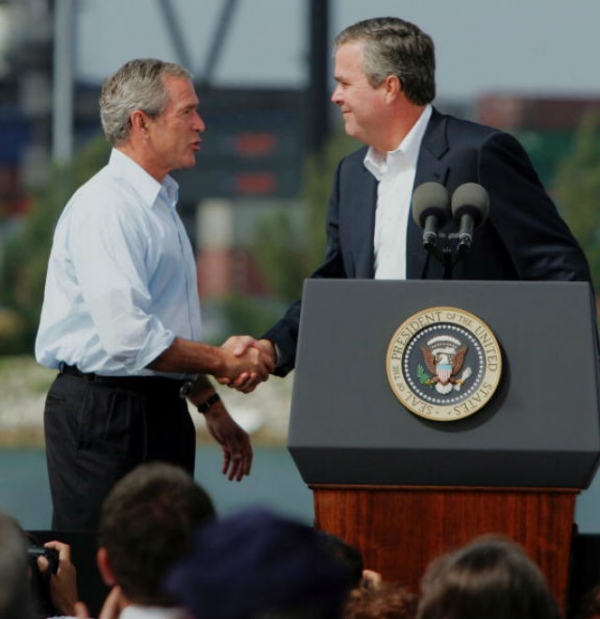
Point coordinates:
[[137, 85], [393, 46]]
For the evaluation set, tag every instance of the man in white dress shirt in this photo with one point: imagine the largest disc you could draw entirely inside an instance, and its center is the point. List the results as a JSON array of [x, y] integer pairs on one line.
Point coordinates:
[[121, 313]]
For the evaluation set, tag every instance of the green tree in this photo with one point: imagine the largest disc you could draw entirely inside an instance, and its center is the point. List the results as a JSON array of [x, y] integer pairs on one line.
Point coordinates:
[[27, 253], [577, 190], [290, 243]]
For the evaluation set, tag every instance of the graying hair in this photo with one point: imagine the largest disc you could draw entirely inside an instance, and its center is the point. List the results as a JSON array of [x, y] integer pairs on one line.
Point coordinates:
[[137, 85], [393, 46]]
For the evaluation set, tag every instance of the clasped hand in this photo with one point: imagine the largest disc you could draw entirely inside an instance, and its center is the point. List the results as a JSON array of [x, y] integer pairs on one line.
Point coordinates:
[[254, 361]]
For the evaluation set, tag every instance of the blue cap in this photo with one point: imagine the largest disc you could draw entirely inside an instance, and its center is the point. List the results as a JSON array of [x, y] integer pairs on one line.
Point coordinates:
[[256, 561]]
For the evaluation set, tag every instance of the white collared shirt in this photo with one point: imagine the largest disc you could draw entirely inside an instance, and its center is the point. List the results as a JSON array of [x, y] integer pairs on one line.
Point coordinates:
[[134, 611], [395, 172], [121, 281]]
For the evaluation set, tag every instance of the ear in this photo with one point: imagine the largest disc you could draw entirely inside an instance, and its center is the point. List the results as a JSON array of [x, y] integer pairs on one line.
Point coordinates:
[[139, 121], [103, 562], [392, 87]]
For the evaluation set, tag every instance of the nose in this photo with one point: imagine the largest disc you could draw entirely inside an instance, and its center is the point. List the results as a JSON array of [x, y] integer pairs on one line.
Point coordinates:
[[336, 95], [199, 124]]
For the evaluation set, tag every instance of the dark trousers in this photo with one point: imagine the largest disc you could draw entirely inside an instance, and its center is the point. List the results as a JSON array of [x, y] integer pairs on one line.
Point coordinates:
[[99, 430]]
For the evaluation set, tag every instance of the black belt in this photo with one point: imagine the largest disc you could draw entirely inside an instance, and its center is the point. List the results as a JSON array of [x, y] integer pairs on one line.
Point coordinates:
[[142, 384]]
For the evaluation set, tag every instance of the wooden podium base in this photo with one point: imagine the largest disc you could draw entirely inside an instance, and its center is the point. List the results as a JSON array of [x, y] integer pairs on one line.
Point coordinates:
[[400, 529]]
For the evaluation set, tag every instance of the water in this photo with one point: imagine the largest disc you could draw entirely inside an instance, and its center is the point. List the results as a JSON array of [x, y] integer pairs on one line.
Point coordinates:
[[274, 483]]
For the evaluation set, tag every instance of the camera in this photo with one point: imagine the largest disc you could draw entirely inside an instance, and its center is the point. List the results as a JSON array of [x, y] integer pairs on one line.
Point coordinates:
[[40, 582], [40, 551]]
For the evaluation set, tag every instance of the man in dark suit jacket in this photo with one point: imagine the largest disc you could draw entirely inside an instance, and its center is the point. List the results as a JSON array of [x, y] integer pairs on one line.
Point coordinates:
[[384, 70]]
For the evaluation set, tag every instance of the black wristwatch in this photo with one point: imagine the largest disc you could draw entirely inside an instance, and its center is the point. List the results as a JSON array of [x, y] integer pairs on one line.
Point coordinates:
[[204, 406]]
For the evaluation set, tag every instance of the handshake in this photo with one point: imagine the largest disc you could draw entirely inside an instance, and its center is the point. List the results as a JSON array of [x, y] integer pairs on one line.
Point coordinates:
[[248, 362]]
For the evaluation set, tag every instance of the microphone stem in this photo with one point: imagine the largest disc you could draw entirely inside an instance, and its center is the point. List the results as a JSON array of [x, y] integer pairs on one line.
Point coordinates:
[[461, 250], [448, 263]]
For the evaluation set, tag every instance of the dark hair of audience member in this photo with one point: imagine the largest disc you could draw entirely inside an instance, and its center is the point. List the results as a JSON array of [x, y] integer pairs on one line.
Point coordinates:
[[490, 578], [349, 555], [590, 604], [16, 597], [389, 600], [146, 524]]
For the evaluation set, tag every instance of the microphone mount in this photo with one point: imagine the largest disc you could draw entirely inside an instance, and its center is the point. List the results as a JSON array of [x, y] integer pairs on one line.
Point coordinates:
[[470, 206]]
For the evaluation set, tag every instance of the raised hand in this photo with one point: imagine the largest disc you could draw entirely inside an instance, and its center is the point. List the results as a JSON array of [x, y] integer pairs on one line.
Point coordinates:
[[63, 584], [114, 603]]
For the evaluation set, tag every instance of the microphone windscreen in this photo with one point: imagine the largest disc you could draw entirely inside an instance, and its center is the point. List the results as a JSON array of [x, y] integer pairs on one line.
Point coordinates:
[[430, 199], [471, 199]]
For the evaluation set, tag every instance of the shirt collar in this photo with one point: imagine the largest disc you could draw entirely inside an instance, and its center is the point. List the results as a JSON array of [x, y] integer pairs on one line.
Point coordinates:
[[146, 185], [408, 149], [135, 611]]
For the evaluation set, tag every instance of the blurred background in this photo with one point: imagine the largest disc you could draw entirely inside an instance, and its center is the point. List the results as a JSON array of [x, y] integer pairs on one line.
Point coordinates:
[[254, 205]]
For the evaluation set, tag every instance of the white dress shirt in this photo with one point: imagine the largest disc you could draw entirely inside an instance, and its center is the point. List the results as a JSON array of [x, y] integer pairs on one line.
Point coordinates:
[[121, 281], [153, 612], [395, 171]]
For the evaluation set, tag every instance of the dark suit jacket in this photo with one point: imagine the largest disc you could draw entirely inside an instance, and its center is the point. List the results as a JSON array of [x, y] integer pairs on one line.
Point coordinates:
[[523, 238]]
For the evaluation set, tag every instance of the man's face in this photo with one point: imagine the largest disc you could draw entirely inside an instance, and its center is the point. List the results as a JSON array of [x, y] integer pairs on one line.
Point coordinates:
[[362, 106], [174, 137]]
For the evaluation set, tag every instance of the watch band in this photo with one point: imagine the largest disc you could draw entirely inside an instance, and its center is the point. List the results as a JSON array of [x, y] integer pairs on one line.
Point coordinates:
[[204, 406]]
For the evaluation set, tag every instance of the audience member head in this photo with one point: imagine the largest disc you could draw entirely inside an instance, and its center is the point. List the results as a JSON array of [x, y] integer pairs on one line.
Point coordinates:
[[590, 604], [347, 554], [388, 600], [352, 559], [146, 524], [489, 578], [256, 564], [16, 597]]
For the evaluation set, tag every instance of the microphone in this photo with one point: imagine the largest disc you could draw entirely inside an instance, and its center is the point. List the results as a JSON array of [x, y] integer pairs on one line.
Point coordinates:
[[430, 210], [470, 207]]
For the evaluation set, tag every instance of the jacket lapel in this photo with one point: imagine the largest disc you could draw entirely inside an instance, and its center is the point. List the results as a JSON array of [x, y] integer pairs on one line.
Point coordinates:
[[362, 203]]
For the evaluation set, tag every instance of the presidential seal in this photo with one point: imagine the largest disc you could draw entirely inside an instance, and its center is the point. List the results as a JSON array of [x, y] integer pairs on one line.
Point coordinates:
[[444, 364]]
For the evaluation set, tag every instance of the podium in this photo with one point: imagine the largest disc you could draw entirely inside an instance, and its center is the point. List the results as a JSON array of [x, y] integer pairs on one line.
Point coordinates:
[[404, 488]]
